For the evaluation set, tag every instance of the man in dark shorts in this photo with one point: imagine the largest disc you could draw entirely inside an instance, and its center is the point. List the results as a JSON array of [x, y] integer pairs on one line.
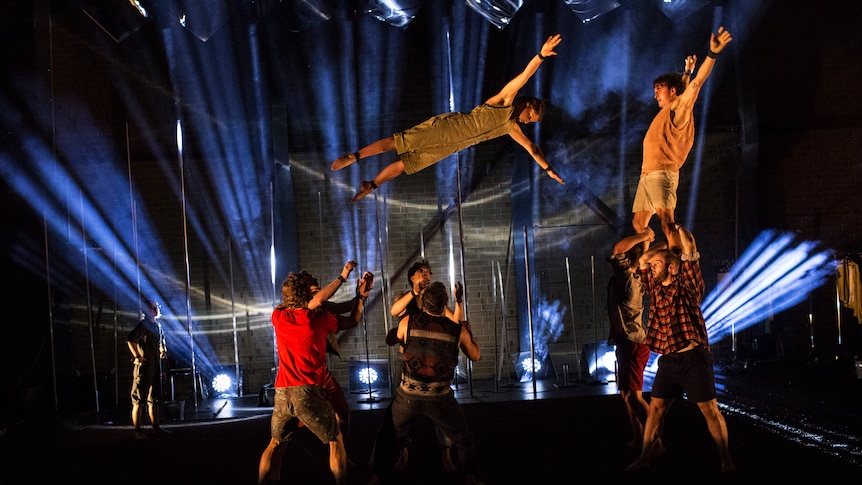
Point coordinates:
[[300, 333], [625, 313], [677, 331], [146, 342]]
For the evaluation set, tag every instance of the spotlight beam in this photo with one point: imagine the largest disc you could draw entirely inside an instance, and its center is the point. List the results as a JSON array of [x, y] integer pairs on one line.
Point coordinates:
[[771, 276]]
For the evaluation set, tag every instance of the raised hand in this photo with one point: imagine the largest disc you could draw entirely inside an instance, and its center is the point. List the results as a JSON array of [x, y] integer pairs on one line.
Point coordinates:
[[690, 62], [719, 40], [548, 48], [459, 292]]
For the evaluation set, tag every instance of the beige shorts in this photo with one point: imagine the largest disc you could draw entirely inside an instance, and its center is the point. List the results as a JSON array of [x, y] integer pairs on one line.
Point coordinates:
[[656, 189]]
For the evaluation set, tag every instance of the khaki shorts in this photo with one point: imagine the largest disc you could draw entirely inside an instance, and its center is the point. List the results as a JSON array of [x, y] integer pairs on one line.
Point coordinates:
[[307, 404], [656, 189]]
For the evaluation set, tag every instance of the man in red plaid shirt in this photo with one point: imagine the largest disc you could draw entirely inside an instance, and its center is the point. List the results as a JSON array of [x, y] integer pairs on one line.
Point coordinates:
[[676, 330]]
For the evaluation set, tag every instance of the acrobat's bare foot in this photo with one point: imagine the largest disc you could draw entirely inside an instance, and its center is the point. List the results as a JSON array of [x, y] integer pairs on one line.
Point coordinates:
[[401, 462], [658, 450], [448, 465], [344, 161], [366, 188], [641, 463], [472, 480]]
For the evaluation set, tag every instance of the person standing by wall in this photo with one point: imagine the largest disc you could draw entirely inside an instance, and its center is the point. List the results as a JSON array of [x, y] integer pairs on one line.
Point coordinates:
[[669, 139], [146, 342]]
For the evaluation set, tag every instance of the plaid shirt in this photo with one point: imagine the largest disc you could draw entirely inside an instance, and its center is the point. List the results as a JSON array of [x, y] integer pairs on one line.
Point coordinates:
[[675, 318]]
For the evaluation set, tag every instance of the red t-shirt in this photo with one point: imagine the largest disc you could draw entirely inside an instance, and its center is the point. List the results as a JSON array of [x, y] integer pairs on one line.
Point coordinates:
[[301, 338]]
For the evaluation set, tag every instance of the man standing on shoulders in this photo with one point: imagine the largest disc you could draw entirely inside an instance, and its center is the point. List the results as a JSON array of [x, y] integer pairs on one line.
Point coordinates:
[[669, 140]]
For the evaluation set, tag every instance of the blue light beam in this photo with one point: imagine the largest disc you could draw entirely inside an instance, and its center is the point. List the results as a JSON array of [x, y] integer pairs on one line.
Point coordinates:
[[771, 276]]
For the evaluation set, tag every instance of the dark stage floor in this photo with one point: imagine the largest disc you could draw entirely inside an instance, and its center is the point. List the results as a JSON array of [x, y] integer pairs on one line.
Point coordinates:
[[788, 422]]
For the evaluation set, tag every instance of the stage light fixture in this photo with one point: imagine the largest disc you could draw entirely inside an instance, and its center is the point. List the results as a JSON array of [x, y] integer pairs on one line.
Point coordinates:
[[223, 382], [589, 10], [677, 10], [526, 367], [365, 376], [498, 12], [118, 19], [398, 13], [601, 360]]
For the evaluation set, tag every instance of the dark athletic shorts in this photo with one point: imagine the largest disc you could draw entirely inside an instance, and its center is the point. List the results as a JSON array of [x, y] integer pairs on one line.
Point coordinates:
[[685, 374]]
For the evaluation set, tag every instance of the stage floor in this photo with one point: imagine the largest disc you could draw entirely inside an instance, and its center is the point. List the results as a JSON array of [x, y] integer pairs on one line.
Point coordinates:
[[787, 421]]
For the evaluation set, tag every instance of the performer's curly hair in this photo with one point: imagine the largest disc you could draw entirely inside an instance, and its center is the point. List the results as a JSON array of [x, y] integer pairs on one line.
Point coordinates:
[[296, 290], [435, 298], [671, 80]]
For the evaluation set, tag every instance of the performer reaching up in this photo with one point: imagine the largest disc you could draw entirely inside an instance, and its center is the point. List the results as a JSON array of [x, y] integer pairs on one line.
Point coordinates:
[[439, 137]]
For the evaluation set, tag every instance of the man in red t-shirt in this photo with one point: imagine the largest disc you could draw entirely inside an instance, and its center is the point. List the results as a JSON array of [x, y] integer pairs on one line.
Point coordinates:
[[300, 333]]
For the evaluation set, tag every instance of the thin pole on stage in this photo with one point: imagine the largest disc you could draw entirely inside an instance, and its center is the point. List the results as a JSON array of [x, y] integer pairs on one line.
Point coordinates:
[[530, 311], [574, 333], [595, 322]]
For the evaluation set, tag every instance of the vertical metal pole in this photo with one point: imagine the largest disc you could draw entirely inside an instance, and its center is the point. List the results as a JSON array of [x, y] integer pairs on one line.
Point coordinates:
[[276, 294], [368, 374], [421, 242], [496, 342], [116, 339], [238, 375], [838, 304], [595, 321], [50, 313], [85, 249], [530, 310], [572, 313], [504, 336], [188, 265], [382, 242], [45, 216], [468, 362]]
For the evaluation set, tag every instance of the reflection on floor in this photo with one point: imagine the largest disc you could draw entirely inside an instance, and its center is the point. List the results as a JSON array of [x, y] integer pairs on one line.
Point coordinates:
[[788, 421], [814, 405]]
